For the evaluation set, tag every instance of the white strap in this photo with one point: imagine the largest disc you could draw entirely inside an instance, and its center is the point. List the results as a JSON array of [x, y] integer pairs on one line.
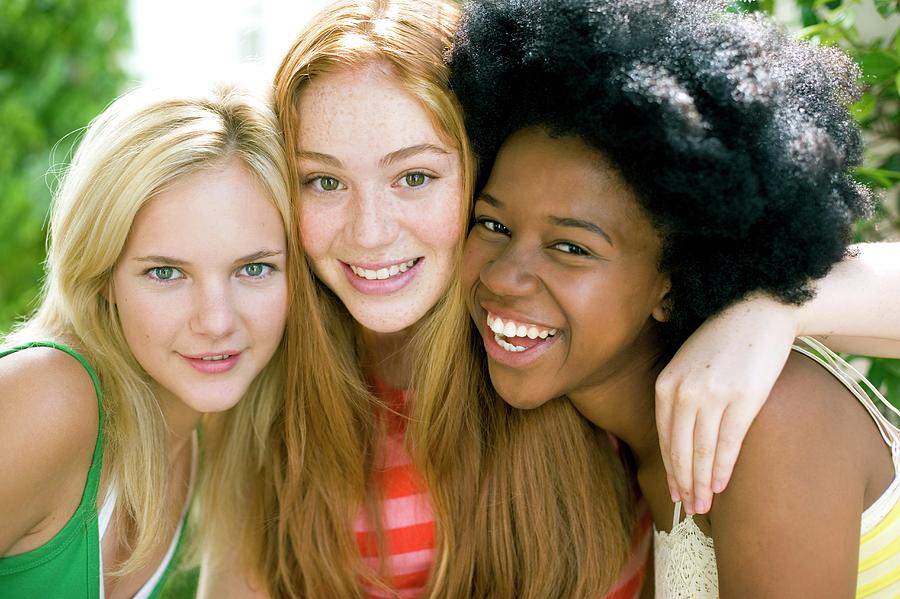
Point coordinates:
[[676, 515], [854, 381]]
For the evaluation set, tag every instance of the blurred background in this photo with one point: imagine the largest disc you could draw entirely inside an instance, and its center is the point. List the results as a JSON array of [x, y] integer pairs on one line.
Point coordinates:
[[63, 61]]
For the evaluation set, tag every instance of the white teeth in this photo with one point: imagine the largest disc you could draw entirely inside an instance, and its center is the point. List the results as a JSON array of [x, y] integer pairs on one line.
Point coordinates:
[[382, 273], [512, 329], [497, 326], [215, 358], [508, 346]]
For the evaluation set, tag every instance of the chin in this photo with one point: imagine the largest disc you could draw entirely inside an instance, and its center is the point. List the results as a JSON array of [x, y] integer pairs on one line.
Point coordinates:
[[520, 396]]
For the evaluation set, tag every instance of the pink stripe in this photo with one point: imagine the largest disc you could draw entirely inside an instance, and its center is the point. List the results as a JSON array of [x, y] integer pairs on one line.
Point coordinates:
[[399, 513], [393, 452], [406, 563]]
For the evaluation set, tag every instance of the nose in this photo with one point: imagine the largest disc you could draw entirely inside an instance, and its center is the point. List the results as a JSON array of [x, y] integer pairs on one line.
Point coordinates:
[[374, 220], [511, 273], [215, 313]]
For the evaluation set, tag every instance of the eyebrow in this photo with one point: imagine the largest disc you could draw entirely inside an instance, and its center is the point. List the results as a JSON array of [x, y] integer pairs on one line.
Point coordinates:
[[581, 224], [403, 153], [326, 159], [387, 160], [168, 260], [561, 222]]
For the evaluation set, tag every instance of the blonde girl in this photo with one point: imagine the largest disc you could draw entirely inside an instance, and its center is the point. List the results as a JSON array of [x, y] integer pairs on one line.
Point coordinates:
[[165, 298]]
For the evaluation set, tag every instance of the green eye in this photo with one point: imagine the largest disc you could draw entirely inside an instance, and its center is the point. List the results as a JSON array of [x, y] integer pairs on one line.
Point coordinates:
[[329, 183], [415, 179], [164, 273], [256, 270]]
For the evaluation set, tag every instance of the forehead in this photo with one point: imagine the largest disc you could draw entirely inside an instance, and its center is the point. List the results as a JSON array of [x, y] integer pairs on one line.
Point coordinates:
[[539, 175], [560, 170], [361, 108], [215, 207]]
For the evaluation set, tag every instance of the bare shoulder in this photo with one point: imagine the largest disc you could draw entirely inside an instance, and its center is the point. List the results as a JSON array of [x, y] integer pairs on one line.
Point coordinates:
[[812, 414], [798, 490], [48, 428], [51, 391]]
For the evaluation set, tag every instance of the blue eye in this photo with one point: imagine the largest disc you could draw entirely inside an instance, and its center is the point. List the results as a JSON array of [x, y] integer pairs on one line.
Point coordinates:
[[255, 270], [414, 179], [165, 273], [493, 226], [324, 183], [571, 248]]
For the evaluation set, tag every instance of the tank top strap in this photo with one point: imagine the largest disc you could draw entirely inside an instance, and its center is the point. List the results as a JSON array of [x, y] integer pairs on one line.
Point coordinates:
[[93, 480], [857, 384], [676, 514]]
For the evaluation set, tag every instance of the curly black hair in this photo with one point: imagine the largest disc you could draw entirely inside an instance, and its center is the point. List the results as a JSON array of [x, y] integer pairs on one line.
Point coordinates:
[[736, 138]]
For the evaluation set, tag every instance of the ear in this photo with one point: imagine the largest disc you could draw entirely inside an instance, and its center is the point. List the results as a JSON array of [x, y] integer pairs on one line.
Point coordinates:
[[660, 311]]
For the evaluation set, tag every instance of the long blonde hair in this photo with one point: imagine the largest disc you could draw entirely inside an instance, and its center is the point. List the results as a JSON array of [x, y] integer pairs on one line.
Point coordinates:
[[142, 143], [502, 482]]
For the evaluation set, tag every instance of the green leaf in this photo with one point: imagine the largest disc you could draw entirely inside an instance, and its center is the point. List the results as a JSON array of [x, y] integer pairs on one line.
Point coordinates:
[[877, 177], [864, 108], [876, 372], [887, 8], [878, 65], [897, 83], [892, 368], [893, 391]]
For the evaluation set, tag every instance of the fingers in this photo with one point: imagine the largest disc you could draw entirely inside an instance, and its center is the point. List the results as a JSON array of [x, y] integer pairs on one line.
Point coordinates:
[[735, 424], [681, 452], [706, 436], [663, 424]]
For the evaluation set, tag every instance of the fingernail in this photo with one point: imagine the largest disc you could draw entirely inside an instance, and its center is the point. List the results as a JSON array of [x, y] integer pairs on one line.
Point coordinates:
[[702, 507], [676, 496], [718, 486]]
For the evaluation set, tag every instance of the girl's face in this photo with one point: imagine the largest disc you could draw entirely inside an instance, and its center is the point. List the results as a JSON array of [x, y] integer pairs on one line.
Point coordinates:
[[380, 197], [200, 288], [560, 268]]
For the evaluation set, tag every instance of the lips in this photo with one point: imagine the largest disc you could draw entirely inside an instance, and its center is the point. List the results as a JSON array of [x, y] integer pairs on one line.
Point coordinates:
[[516, 343], [213, 362], [382, 279]]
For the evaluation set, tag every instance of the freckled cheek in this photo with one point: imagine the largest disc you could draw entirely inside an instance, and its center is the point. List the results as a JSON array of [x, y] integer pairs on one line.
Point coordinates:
[[440, 226], [319, 227]]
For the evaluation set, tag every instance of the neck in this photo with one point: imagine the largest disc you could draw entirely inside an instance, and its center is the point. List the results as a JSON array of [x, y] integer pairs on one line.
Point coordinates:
[[181, 421], [623, 401], [386, 356]]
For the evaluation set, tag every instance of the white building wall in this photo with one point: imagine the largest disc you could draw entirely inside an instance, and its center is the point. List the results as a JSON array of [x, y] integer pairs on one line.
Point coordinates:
[[205, 40]]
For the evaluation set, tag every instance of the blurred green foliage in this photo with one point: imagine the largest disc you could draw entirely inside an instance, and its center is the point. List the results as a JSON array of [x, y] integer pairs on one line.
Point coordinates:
[[60, 65]]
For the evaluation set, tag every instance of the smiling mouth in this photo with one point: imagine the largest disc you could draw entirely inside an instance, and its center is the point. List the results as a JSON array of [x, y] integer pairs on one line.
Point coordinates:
[[383, 273], [514, 336]]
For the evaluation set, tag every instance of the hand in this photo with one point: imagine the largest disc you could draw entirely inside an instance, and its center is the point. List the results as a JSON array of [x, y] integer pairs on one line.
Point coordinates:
[[709, 394]]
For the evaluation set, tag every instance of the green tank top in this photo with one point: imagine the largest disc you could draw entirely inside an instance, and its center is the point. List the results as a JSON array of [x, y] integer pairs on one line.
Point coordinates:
[[68, 565]]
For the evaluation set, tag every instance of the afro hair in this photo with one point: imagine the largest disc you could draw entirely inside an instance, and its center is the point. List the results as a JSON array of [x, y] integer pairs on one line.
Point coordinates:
[[736, 138]]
